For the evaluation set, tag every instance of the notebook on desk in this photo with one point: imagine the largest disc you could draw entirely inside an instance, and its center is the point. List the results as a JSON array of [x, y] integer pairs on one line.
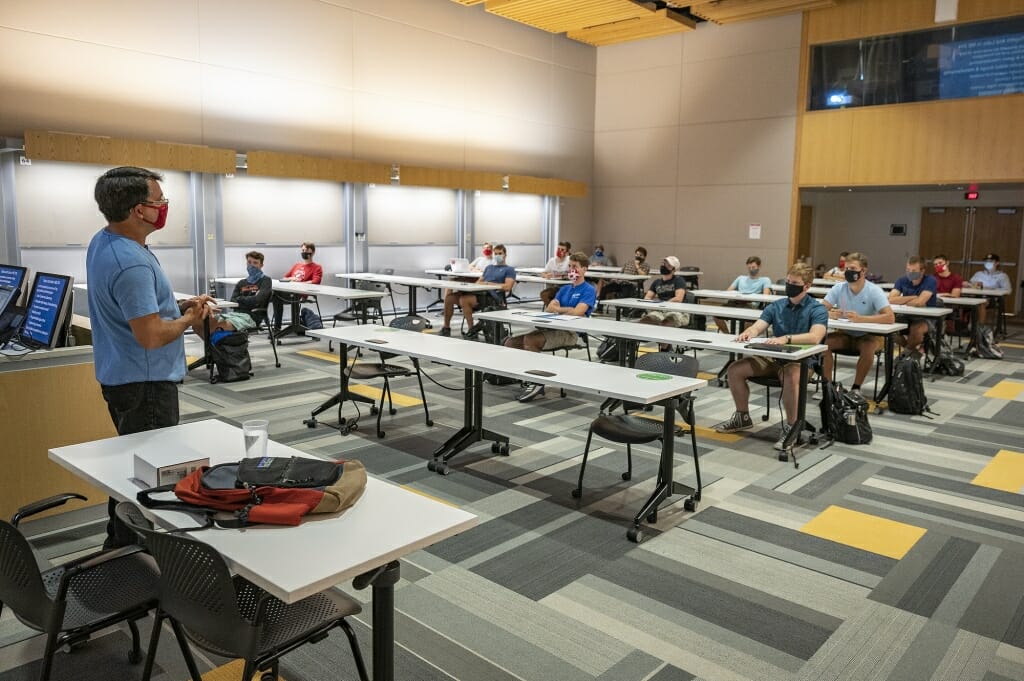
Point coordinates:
[[772, 347]]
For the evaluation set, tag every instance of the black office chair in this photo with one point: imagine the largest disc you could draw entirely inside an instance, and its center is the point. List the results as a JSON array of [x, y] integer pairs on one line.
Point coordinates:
[[72, 601], [231, 616], [362, 310], [381, 369], [485, 302], [261, 315], [634, 430], [770, 382]]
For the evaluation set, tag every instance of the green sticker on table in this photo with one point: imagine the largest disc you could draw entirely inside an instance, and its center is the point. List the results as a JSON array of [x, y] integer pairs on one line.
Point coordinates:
[[654, 377]]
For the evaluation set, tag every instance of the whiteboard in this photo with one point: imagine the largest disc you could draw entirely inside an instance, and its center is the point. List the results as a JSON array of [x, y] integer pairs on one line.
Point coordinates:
[[410, 215], [508, 218], [268, 210]]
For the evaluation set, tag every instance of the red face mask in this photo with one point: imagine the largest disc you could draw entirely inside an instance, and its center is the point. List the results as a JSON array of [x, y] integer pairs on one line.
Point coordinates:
[[560, 253], [939, 269], [487, 252], [842, 264], [161, 217]]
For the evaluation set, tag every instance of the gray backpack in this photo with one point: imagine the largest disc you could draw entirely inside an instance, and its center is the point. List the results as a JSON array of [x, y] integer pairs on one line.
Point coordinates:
[[985, 345]]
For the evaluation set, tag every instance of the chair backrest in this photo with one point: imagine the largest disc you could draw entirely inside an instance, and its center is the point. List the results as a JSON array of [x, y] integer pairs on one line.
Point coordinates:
[[196, 588], [21, 584], [669, 363]]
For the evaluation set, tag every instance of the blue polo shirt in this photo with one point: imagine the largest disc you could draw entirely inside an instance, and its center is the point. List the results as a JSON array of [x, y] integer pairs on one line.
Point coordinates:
[[927, 283], [870, 301], [571, 296], [497, 274], [126, 282], [787, 319]]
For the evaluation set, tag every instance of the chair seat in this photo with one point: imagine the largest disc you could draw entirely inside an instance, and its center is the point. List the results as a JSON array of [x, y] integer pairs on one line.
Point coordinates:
[[284, 623], [767, 381], [627, 429], [378, 370], [115, 586]]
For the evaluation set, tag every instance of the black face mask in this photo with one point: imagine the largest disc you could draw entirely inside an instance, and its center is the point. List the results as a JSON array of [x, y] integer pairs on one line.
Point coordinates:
[[851, 276], [793, 290], [639, 258], [306, 256], [665, 270]]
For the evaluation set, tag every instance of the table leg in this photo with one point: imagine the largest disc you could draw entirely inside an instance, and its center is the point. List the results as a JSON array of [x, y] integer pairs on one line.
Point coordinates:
[[472, 430], [338, 397], [889, 367], [382, 582], [789, 446], [974, 331]]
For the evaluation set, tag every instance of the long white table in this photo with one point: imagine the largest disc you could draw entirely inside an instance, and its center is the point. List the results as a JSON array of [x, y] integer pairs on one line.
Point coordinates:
[[415, 283], [629, 334], [621, 383], [363, 542]]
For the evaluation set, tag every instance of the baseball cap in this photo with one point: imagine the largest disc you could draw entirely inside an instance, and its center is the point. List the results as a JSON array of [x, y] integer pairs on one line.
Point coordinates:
[[672, 262], [992, 256]]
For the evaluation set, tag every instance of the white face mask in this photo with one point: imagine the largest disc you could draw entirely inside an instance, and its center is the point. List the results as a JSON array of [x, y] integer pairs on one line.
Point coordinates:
[[574, 276]]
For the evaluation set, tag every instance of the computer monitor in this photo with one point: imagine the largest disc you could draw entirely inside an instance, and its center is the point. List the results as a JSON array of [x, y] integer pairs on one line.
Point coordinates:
[[14, 276], [48, 311]]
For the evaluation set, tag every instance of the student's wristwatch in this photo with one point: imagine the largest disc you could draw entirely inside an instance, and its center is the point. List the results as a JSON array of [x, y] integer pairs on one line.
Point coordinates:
[[789, 339]]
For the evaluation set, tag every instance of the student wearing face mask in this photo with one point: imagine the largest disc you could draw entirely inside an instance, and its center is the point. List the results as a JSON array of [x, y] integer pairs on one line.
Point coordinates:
[[304, 270], [915, 289], [857, 300], [252, 293], [751, 282], [487, 258], [599, 257], [577, 298], [838, 272], [990, 277], [498, 273], [624, 288], [796, 319], [556, 268]]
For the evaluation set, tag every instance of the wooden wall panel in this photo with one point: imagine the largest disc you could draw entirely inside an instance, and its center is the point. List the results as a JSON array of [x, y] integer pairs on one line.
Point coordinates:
[[859, 18], [46, 408], [945, 142], [417, 176], [101, 150], [278, 164], [525, 184]]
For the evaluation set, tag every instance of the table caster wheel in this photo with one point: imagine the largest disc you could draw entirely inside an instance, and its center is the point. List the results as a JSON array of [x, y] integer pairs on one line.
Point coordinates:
[[652, 517], [432, 466], [635, 535], [495, 447], [392, 411], [310, 423], [503, 450], [783, 456], [627, 476], [380, 434], [443, 469], [373, 411], [430, 423], [576, 494], [135, 657], [690, 504]]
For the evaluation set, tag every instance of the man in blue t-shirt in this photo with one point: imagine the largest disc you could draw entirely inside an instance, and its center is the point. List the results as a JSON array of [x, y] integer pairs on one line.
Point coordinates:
[[577, 298], [796, 319], [751, 282], [499, 273], [915, 289], [857, 300], [137, 326]]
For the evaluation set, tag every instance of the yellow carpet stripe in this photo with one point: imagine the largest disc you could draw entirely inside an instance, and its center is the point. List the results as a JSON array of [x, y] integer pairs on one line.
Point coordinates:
[[428, 496], [1006, 390], [863, 531], [1018, 346], [1005, 471], [702, 432], [399, 399], [320, 354], [231, 671], [189, 359]]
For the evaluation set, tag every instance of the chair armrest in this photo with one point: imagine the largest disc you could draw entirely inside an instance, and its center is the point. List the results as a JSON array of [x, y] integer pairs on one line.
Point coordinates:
[[86, 563], [44, 505]]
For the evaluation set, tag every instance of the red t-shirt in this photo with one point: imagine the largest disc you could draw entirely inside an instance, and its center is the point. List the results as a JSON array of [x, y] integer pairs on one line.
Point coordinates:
[[306, 271], [947, 284]]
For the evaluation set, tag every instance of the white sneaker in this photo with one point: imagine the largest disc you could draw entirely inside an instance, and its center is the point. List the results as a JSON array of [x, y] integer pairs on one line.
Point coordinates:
[[530, 391], [780, 445]]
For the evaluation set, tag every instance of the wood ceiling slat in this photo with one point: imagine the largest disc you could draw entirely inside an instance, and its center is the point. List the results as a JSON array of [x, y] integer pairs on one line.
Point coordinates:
[[728, 11], [662, 23], [559, 16]]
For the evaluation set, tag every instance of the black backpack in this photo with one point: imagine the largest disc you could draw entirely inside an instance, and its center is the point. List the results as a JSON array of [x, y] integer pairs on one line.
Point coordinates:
[[906, 392], [985, 345], [231, 357], [844, 415], [948, 365], [608, 351]]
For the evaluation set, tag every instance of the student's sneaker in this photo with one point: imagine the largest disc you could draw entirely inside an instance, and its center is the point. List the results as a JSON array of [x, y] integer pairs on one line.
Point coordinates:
[[530, 391], [780, 445], [474, 331], [737, 422], [445, 331]]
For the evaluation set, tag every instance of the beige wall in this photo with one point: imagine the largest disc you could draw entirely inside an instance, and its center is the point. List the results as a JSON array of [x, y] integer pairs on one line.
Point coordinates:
[[694, 140], [411, 81], [859, 221]]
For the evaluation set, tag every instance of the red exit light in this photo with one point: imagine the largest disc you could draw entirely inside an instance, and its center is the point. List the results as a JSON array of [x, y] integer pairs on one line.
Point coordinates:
[[971, 196]]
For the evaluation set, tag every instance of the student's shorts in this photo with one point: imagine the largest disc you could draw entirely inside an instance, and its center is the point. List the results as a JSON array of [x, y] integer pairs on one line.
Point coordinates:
[[850, 339], [240, 320], [558, 338], [676, 318], [910, 320]]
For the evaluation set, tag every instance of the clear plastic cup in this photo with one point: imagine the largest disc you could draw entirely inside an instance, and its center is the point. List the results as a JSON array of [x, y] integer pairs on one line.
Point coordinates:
[[256, 433]]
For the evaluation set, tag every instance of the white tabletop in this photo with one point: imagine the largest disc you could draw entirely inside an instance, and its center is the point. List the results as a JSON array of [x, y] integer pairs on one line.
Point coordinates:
[[592, 273], [223, 303], [308, 288], [971, 291], [961, 302], [921, 311], [290, 562], [735, 295], [474, 275], [640, 332], [602, 380], [466, 287], [605, 268]]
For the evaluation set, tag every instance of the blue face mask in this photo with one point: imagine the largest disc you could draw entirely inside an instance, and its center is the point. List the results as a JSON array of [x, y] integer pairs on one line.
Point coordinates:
[[598, 252], [990, 266], [255, 273], [499, 259]]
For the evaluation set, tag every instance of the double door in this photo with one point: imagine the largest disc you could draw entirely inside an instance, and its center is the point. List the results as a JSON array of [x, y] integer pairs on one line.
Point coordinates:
[[967, 233]]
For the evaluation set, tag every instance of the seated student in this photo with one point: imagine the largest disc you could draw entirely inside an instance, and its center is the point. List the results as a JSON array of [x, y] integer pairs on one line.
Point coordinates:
[[498, 273], [599, 257], [838, 273], [304, 270], [856, 300], [621, 288], [556, 268], [947, 282], [577, 298], [989, 278], [751, 282], [916, 289], [799, 319], [480, 264], [251, 293], [670, 287]]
